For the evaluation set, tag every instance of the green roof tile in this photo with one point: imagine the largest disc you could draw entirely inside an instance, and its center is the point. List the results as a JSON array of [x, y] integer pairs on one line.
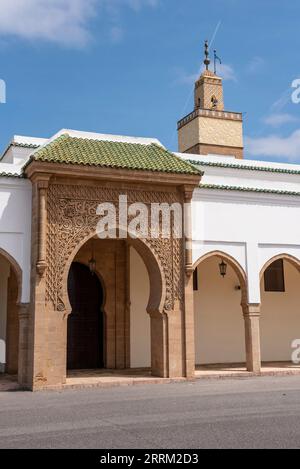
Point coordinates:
[[10, 175], [133, 156], [25, 145], [248, 189], [199, 164], [19, 145]]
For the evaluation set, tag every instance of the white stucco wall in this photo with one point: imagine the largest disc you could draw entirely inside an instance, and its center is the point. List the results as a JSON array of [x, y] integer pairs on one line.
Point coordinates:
[[140, 340], [4, 274], [251, 227], [15, 226], [219, 324], [280, 318]]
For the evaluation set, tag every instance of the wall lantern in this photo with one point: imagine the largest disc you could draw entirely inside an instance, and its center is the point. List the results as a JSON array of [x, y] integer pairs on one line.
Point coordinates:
[[92, 261], [223, 269]]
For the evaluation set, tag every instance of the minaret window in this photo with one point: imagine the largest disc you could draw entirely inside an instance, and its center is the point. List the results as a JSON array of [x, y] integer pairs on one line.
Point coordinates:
[[214, 102]]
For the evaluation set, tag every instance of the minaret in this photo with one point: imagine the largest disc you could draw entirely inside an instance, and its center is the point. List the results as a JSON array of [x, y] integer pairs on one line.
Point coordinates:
[[209, 129]]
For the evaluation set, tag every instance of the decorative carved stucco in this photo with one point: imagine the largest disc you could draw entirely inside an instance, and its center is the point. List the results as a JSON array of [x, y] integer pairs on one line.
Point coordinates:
[[71, 218]]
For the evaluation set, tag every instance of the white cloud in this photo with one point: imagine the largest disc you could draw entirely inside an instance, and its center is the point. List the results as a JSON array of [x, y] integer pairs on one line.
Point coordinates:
[[224, 70], [255, 65], [183, 78], [138, 4], [281, 102], [116, 34], [277, 120], [62, 21], [275, 146], [114, 7]]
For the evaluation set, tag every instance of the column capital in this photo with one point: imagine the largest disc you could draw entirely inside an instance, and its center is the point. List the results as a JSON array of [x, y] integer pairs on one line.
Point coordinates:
[[43, 185], [188, 194], [189, 270], [251, 310], [23, 310], [41, 180]]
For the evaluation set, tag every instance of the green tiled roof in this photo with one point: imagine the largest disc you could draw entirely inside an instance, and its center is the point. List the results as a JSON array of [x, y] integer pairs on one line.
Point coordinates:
[[133, 156], [267, 169], [19, 145], [10, 175], [25, 145], [248, 189]]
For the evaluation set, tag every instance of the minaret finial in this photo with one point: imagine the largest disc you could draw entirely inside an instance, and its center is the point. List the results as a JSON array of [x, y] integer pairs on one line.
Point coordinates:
[[206, 51]]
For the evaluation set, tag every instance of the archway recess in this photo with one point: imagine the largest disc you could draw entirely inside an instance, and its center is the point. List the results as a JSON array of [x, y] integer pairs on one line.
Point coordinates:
[[280, 308], [219, 304], [112, 262], [10, 295]]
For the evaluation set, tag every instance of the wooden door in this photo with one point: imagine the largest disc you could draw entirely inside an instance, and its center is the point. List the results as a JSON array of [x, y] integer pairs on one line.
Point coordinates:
[[85, 323]]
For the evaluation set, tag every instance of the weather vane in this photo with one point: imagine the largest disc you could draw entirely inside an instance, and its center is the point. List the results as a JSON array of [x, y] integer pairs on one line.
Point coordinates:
[[216, 58], [206, 52]]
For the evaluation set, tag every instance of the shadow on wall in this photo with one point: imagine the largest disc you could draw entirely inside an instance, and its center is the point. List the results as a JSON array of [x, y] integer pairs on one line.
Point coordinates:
[[280, 317], [219, 322], [140, 340]]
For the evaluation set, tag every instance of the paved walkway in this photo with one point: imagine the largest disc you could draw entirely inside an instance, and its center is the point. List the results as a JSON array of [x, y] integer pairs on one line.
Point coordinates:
[[115, 378], [239, 370], [112, 378]]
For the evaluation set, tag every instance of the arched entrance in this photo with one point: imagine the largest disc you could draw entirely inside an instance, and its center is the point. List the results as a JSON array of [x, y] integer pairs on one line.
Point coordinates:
[[219, 322], [280, 308], [122, 302], [10, 293], [85, 339]]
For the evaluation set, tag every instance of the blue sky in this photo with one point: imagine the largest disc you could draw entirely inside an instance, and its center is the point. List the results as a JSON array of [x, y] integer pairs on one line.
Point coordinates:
[[128, 67]]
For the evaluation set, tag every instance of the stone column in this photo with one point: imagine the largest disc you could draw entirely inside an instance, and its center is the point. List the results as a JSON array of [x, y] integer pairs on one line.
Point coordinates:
[[41, 332], [23, 343], [159, 350], [189, 325], [188, 194], [42, 229], [252, 336], [127, 308]]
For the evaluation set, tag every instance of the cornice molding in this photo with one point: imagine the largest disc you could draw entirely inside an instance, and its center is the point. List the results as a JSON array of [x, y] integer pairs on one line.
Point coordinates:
[[37, 169]]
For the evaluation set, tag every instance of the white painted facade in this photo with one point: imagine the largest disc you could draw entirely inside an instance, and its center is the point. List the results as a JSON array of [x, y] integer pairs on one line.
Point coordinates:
[[252, 227], [15, 232], [15, 226], [249, 210]]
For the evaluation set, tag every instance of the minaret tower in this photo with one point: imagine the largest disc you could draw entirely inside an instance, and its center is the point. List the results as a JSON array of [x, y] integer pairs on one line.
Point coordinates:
[[209, 129]]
